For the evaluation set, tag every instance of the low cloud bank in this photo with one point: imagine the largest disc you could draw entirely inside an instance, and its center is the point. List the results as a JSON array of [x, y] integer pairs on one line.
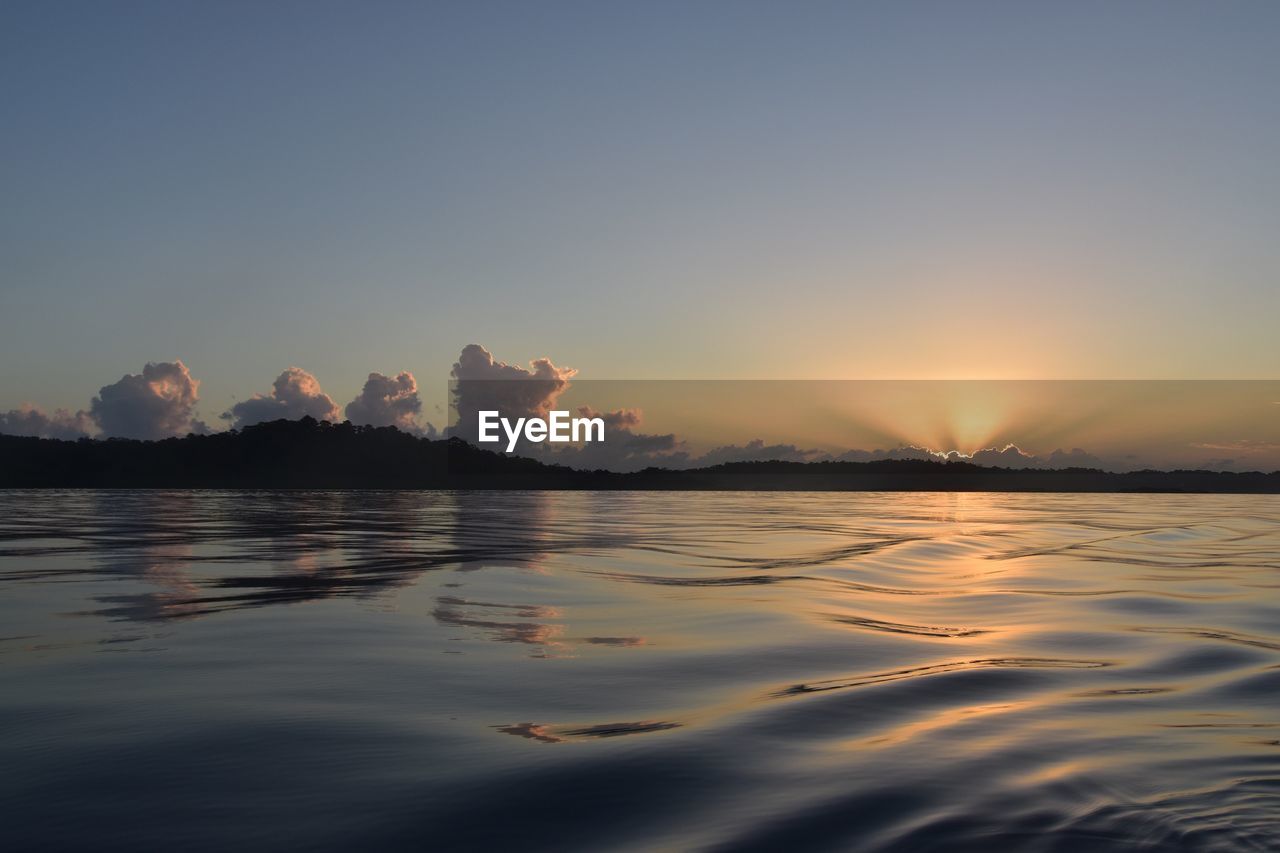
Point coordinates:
[[1009, 456], [32, 420]]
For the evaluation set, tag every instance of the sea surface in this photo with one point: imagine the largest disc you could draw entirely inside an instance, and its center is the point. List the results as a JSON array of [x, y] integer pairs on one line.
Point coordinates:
[[242, 671]]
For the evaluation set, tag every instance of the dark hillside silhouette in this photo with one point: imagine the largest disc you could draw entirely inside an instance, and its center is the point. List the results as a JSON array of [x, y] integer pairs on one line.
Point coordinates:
[[307, 454]]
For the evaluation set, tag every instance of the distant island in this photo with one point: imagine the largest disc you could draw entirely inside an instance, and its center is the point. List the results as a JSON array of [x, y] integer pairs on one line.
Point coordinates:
[[310, 454]]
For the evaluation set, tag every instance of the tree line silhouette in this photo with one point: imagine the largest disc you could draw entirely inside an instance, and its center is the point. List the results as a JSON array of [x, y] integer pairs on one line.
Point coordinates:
[[310, 454]]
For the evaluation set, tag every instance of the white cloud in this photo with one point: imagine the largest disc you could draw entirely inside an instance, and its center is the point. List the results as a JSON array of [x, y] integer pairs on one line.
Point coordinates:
[[389, 401], [157, 403], [482, 383], [295, 394]]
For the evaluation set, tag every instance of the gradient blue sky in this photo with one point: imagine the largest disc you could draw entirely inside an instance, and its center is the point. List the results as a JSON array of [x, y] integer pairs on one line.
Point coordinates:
[[693, 189]]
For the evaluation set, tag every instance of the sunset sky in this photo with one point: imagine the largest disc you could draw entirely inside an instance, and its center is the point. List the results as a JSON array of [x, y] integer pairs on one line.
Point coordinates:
[[1108, 424], [645, 190]]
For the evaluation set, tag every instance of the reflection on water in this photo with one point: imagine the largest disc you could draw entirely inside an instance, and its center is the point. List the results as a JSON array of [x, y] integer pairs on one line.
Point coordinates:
[[338, 670]]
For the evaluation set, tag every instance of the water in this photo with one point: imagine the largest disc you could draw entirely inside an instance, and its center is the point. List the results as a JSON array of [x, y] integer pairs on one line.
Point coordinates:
[[563, 671]]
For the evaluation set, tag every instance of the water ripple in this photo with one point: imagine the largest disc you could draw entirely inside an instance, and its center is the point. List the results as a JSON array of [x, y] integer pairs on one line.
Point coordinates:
[[700, 671]]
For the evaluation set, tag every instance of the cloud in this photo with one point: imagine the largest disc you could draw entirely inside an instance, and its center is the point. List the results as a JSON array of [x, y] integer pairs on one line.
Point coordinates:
[[1009, 456], [622, 450], [641, 443], [157, 403], [389, 401], [31, 420], [613, 420], [483, 384], [1075, 458], [1244, 445], [295, 394], [907, 451], [756, 451]]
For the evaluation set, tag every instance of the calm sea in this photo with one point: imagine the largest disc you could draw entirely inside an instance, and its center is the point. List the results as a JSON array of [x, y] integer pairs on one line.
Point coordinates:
[[596, 671]]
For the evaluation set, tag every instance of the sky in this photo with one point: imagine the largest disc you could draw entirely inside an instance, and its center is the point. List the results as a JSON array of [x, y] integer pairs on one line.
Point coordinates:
[[807, 190], [1114, 425]]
